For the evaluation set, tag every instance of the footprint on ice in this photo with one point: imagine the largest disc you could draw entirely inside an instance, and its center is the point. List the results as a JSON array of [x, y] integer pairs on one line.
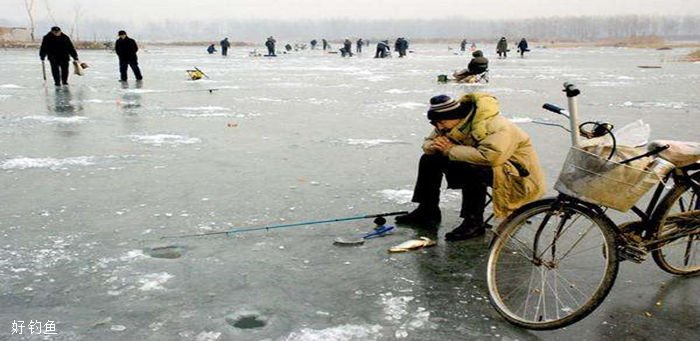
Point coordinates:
[[169, 252], [248, 320]]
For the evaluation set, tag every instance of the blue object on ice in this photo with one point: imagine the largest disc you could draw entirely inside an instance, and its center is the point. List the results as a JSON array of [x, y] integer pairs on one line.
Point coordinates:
[[379, 231]]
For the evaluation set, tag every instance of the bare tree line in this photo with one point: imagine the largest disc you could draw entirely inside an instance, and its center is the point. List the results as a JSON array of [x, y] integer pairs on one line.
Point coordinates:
[[557, 28]]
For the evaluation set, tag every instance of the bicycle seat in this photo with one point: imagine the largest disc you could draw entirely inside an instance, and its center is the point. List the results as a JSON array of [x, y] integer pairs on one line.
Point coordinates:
[[679, 153]]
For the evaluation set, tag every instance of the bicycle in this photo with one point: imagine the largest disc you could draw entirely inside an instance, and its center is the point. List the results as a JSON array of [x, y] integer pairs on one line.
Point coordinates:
[[553, 261]]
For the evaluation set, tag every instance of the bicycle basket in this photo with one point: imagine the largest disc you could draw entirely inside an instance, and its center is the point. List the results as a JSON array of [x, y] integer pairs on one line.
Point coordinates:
[[594, 179]]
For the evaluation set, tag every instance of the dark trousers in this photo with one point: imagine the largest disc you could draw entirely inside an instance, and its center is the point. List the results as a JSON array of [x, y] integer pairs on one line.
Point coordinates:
[[224, 51], [59, 71], [472, 179], [124, 64], [271, 50]]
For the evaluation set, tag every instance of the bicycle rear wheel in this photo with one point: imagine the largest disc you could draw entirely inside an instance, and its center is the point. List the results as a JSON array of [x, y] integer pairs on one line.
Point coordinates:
[[679, 213], [552, 264]]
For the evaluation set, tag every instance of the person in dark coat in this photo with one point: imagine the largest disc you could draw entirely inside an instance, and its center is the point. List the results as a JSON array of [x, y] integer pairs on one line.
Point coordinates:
[[502, 48], [382, 49], [463, 45], [522, 47], [126, 48], [270, 44], [58, 48], [347, 48], [478, 65], [359, 44], [225, 44], [325, 44], [401, 45], [211, 49], [313, 44]]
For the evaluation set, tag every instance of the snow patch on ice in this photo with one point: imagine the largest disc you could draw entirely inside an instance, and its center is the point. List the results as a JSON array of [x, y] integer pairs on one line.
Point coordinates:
[[518, 119], [205, 108], [161, 139], [367, 143], [154, 281], [11, 86], [208, 336], [55, 119], [666, 105], [406, 105], [395, 308], [51, 163], [402, 196], [347, 332]]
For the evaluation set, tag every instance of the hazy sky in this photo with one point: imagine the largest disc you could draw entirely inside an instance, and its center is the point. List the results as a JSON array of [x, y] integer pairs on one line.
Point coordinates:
[[159, 10]]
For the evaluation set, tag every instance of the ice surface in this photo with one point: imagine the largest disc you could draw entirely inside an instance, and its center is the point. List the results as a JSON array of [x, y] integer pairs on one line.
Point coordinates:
[[346, 332], [94, 174], [26, 163]]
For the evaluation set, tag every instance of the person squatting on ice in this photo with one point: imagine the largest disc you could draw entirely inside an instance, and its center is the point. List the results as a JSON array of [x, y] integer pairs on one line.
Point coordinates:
[[478, 65], [58, 48], [126, 49], [382, 49], [475, 148]]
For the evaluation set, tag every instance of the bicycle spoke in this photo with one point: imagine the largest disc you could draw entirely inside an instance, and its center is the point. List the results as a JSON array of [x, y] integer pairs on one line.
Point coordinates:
[[563, 231], [688, 251], [590, 228]]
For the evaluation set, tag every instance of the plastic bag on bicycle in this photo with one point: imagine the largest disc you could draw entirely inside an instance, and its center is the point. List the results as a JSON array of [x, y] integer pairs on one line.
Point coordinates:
[[588, 175]]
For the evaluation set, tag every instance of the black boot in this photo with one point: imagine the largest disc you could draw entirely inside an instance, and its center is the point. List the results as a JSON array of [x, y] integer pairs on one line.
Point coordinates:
[[466, 230], [423, 216]]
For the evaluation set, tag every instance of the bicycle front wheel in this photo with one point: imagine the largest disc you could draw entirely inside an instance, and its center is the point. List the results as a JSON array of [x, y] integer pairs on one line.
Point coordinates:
[[552, 264], [680, 216]]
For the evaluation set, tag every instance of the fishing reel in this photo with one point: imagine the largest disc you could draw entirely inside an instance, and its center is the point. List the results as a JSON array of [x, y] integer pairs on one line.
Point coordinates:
[[379, 221]]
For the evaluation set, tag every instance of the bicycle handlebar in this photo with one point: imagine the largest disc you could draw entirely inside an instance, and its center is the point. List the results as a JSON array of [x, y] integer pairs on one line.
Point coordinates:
[[553, 108]]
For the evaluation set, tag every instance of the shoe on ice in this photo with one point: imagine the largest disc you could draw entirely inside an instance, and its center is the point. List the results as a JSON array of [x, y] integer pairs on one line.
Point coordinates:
[[423, 216], [466, 230]]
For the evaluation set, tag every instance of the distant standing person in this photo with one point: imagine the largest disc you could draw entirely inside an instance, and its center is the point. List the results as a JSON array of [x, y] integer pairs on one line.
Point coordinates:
[[347, 48], [59, 48], [463, 45], [270, 44], [211, 49], [401, 45], [359, 44], [313, 44], [502, 48], [225, 44], [126, 49], [325, 44], [522, 47]]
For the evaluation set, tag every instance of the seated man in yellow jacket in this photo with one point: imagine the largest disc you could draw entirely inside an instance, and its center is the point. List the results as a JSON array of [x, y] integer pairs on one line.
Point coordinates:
[[474, 147]]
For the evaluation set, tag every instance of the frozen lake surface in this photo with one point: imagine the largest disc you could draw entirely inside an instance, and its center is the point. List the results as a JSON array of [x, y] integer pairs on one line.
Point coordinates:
[[93, 175]]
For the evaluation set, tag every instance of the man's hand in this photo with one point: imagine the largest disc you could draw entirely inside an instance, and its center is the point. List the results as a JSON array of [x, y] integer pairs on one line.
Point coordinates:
[[442, 144]]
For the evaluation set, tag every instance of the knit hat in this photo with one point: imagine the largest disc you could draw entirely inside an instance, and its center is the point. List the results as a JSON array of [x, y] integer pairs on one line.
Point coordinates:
[[55, 29], [443, 107], [122, 32]]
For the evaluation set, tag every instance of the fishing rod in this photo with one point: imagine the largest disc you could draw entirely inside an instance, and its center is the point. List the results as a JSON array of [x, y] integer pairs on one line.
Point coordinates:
[[379, 218], [43, 70]]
